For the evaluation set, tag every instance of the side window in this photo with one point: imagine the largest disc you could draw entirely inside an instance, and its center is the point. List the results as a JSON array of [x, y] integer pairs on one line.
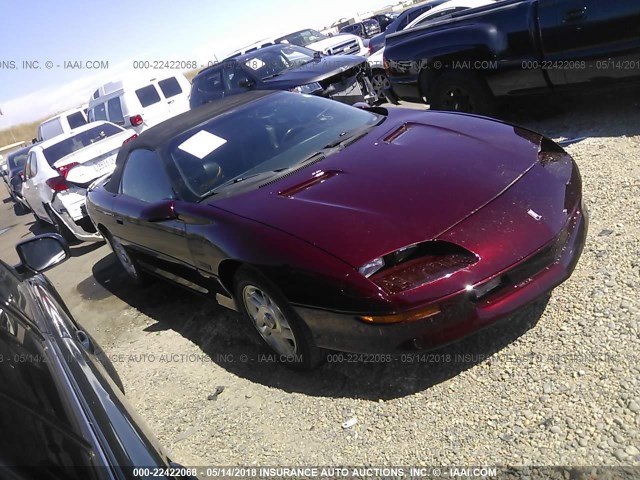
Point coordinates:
[[115, 111], [170, 87], [233, 76], [145, 178], [34, 407], [100, 112], [33, 165], [76, 120], [212, 83], [442, 13], [148, 95]]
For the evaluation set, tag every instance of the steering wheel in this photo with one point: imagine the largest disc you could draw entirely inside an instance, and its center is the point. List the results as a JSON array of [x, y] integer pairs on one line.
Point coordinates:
[[214, 175]]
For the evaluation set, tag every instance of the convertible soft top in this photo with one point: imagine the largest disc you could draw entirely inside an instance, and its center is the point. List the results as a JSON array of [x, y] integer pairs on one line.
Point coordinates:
[[164, 132]]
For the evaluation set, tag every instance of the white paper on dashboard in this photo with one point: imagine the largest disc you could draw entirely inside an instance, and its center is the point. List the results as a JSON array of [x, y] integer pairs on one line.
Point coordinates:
[[202, 144]]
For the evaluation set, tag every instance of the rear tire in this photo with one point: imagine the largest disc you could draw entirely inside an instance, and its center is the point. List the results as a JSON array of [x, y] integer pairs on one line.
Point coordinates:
[[279, 326], [127, 262], [461, 92]]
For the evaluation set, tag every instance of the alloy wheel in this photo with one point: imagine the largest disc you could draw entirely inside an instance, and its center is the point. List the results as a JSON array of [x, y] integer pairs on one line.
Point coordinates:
[[271, 323]]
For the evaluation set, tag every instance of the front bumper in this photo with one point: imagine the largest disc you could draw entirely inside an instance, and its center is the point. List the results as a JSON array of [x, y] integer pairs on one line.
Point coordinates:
[[462, 313]]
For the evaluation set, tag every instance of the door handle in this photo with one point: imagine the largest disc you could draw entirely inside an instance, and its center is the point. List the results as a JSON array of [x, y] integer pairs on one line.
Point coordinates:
[[575, 15]]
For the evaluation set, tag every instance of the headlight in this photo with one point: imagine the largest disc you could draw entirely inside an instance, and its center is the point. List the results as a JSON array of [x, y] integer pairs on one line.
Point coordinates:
[[417, 264], [371, 267], [308, 88]]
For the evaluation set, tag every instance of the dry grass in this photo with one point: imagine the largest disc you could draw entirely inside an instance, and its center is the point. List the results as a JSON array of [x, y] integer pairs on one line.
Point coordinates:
[[23, 132]]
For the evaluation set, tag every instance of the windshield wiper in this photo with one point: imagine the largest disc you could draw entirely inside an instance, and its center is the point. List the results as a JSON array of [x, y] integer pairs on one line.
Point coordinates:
[[235, 181], [347, 138]]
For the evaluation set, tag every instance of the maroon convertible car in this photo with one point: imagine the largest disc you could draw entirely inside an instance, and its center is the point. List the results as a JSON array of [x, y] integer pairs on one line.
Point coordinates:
[[333, 227]]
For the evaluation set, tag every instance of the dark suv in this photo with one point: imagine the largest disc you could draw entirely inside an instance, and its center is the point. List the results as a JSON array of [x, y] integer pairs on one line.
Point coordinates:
[[365, 29], [346, 78]]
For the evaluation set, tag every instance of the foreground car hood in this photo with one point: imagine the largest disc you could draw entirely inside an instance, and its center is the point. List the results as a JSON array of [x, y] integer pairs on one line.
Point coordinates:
[[409, 180], [316, 71]]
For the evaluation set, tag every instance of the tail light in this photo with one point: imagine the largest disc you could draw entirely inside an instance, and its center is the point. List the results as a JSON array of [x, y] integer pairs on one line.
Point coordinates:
[[136, 120], [132, 137], [64, 169], [371, 49], [57, 184]]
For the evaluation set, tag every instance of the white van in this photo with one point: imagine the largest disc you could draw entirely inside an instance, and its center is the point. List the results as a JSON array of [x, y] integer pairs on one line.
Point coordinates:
[[62, 123], [138, 103]]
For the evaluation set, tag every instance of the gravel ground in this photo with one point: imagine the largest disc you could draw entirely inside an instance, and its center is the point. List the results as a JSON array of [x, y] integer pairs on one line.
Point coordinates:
[[557, 384]]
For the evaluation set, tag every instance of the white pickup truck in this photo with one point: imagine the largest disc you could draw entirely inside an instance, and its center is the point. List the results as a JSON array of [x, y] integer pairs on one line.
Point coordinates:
[[342, 44]]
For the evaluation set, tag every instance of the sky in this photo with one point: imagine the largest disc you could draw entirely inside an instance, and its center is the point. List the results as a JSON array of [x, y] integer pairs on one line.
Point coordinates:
[[49, 34]]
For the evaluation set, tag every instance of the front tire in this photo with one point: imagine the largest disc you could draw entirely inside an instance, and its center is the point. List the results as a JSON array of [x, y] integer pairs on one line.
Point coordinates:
[[380, 83], [279, 326], [461, 92], [126, 261]]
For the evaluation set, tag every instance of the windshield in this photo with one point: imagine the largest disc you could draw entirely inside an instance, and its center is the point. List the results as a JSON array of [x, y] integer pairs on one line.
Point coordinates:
[[262, 139], [302, 38], [272, 61], [80, 140]]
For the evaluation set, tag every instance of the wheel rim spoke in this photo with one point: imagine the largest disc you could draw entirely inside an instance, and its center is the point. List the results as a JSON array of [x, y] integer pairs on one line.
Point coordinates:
[[270, 321]]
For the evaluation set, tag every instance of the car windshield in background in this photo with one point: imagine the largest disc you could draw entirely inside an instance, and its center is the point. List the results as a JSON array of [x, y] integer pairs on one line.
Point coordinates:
[[262, 139], [17, 159], [302, 38], [79, 141], [272, 61]]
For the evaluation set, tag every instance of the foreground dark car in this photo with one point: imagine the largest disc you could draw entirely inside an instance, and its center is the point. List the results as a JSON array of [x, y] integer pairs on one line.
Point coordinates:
[[333, 227], [286, 67], [63, 414]]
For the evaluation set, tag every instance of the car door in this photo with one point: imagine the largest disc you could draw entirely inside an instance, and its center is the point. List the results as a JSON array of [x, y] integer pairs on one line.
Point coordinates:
[[593, 39], [144, 182], [30, 188]]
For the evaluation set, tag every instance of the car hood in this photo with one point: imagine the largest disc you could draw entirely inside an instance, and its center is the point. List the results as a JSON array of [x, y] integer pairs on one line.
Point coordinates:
[[408, 180], [315, 71]]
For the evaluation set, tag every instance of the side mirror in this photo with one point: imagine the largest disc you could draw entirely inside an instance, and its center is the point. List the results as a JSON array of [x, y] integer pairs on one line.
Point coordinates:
[[159, 211], [43, 252], [246, 83], [317, 55]]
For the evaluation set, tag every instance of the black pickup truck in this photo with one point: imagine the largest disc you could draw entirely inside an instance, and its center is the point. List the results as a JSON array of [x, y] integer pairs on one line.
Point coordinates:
[[468, 60]]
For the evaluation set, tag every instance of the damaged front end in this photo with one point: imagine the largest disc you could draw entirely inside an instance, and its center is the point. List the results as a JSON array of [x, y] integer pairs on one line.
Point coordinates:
[[351, 86]]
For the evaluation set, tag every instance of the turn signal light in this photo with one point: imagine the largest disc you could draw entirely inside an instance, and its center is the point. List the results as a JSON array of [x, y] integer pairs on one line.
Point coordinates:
[[136, 120], [57, 184], [403, 317]]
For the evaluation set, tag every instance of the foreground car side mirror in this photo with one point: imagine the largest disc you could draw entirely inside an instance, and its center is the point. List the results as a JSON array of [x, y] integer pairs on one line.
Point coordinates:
[[39, 254]]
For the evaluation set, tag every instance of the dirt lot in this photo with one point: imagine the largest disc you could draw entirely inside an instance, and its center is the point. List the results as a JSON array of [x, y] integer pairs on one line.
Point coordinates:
[[557, 384]]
